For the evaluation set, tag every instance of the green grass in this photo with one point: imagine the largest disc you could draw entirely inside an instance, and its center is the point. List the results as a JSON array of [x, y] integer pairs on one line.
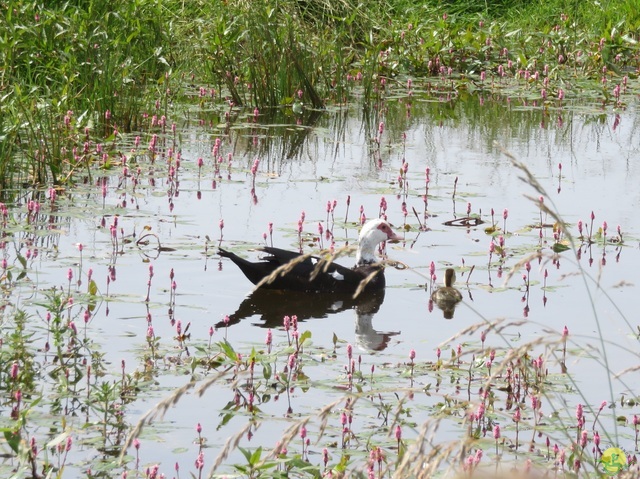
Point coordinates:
[[110, 62]]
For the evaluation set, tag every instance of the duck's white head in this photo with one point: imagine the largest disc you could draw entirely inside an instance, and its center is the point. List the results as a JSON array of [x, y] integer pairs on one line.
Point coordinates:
[[372, 234]]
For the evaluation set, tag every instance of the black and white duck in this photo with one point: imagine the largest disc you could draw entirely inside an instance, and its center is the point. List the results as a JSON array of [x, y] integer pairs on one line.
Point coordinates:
[[289, 270]]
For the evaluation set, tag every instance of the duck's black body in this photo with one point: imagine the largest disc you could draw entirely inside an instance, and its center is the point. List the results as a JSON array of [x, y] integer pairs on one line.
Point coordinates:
[[311, 274], [288, 270]]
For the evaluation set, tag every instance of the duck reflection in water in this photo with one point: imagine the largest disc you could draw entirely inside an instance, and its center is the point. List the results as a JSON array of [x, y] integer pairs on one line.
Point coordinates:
[[447, 297], [273, 305]]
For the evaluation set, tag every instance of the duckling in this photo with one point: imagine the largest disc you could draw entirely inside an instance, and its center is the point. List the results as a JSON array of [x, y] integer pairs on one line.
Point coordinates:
[[447, 293], [447, 297]]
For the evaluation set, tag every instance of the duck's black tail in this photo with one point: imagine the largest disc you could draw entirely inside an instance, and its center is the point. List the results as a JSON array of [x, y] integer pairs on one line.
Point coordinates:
[[225, 254], [253, 271]]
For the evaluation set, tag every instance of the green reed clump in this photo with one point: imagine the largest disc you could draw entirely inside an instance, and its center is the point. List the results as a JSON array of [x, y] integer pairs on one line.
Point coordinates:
[[266, 48], [94, 59], [108, 62], [54, 381], [263, 54]]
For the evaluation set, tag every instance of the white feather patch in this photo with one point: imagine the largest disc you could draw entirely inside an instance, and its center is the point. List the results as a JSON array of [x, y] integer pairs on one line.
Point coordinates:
[[337, 276]]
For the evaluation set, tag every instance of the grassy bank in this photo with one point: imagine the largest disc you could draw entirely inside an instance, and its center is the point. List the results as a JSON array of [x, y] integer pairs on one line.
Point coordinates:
[[102, 66]]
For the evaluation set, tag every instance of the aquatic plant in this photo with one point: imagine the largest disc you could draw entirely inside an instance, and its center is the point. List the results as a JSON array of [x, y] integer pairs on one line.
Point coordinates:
[[77, 77]]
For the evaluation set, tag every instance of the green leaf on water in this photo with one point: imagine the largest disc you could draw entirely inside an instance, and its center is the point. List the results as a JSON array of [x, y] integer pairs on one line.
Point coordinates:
[[92, 288], [304, 336], [255, 457], [559, 247], [342, 465], [13, 439], [59, 439], [246, 453], [228, 350], [266, 370]]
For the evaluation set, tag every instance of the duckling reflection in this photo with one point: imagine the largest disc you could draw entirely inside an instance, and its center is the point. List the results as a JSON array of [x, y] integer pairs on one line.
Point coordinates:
[[447, 297], [367, 338], [271, 306]]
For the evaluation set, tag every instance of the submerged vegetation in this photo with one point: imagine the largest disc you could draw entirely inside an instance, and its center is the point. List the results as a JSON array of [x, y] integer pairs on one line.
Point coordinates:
[[78, 76]]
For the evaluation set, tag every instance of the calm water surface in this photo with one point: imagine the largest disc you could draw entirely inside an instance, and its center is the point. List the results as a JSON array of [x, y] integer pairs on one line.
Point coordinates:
[[302, 167]]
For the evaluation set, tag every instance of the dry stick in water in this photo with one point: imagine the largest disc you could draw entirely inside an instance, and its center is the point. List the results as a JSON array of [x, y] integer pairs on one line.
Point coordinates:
[[417, 217], [469, 275]]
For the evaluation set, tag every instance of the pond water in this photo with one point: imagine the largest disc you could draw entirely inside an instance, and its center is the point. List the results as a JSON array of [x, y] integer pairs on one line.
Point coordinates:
[[584, 158]]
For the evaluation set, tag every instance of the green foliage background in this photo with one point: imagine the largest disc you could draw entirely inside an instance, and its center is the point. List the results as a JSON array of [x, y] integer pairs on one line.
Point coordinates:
[[116, 58]]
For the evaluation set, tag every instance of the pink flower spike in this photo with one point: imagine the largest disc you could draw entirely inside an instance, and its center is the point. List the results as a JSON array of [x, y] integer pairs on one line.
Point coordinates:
[[584, 436], [517, 415]]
